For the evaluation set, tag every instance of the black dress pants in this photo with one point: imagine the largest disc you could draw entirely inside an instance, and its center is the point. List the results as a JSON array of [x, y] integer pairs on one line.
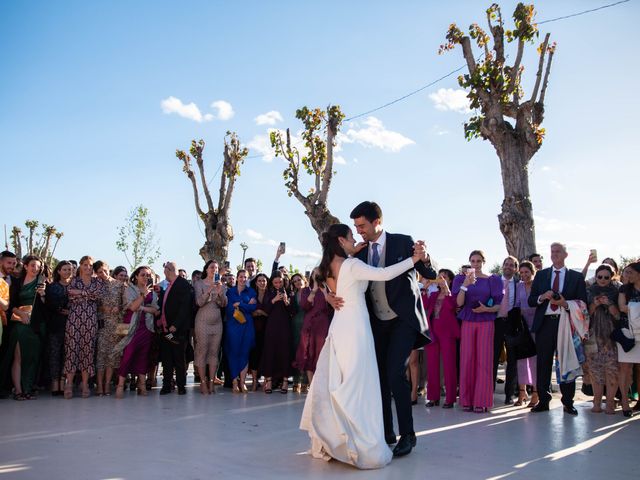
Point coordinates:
[[394, 340], [546, 343], [172, 356], [511, 382]]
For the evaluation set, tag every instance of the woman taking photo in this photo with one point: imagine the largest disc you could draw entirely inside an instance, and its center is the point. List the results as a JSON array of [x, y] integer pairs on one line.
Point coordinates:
[[57, 304], [315, 327], [259, 284], [278, 337], [526, 366], [440, 307], [81, 329], [110, 310], [26, 328], [240, 335], [479, 295], [628, 301], [141, 308], [211, 296], [601, 351]]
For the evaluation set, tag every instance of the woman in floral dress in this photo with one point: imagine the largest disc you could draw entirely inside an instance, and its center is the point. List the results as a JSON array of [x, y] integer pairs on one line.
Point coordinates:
[[110, 310], [81, 329]]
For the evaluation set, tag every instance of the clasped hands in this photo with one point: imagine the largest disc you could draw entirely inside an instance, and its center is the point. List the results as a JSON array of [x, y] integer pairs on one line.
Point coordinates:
[[559, 301]]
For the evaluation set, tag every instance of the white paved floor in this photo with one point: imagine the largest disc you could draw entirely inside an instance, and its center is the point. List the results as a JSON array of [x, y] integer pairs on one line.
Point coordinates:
[[256, 436]]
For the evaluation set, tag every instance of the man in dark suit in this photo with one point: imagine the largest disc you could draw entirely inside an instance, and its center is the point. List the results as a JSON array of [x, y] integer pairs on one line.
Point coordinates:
[[174, 322], [552, 288], [398, 320]]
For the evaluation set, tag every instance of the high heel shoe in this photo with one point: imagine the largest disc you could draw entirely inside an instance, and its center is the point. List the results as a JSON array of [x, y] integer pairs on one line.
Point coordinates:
[[522, 397], [431, 403], [120, 392], [235, 387], [480, 409], [68, 391], [204, 390], [86, 393], [267, 386]]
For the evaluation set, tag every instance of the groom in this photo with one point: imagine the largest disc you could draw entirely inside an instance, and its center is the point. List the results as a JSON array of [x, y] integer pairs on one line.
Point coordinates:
[[398, 320]]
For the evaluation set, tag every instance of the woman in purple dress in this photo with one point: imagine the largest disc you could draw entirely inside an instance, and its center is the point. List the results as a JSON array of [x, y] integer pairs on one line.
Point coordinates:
[[81, 329], [479, 295], [141, 308], [526, 366], [278, 337], [315, 327]]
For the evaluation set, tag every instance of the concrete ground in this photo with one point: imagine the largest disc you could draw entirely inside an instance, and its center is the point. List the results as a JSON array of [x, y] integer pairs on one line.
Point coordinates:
[[255, 435]]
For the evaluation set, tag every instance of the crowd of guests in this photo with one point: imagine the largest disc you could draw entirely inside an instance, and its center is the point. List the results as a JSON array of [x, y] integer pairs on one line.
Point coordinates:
[[85, 325]]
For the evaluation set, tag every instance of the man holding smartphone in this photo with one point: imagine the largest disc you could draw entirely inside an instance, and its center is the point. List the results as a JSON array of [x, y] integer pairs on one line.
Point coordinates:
[[174, 323]]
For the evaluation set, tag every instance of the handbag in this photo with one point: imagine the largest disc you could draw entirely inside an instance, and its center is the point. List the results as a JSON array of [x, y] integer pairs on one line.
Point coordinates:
[[519, 337], [122, 329], [625, 342], [239, 316]]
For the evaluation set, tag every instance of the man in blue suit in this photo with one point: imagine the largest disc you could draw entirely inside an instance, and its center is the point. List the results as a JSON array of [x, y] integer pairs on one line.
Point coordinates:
[[552, 288]]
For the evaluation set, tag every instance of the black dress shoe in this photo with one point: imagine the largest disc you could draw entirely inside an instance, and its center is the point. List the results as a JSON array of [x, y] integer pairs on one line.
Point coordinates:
[[570, 410], [405, 445], [390, 439], [182, 391], [447, 405], [430, 403], [508, 401], [165, 390], [540, 408]]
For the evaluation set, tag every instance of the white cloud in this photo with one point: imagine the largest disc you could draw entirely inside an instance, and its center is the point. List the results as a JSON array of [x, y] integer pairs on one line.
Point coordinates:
[[375, 135], [546, 168], [339, 160], [224, 110], [259, 238], [450, 99], [262, 145], [190, 110], [269, 118], [304, 254], [253, 234]]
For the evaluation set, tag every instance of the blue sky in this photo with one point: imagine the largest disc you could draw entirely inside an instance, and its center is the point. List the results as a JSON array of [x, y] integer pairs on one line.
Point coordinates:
[[85, 136]]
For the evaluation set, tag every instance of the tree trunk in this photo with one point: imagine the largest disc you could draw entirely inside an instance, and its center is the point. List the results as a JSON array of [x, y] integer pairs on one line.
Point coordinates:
[[516, 219], [321, 219], [219, 233]]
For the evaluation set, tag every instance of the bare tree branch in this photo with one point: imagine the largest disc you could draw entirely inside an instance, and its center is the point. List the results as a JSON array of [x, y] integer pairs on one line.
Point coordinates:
[[189, 172], [543, 51], [197, 152], [546, 77]]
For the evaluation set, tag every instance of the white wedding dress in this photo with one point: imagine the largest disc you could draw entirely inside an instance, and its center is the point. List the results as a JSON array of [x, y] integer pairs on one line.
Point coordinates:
[[343, 410]]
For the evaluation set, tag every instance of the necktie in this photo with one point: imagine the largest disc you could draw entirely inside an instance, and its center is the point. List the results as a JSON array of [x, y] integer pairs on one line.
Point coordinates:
[[504, 305], [556, 287], [375, 256]]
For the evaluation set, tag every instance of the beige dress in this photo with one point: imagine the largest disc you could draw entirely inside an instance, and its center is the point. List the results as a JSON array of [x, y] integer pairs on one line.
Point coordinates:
[[208, 326], [110, 310]]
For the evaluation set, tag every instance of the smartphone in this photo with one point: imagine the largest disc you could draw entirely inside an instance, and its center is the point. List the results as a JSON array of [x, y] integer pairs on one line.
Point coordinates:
[[227, 264], [216, 278], [594, 254], [40, 281], [282, 247]]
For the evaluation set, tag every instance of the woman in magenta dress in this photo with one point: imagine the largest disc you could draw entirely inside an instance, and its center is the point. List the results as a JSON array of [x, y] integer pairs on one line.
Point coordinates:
[[315, 327], [526, 366], [440, 307], [479, 295], [141, 308], [81, 329]]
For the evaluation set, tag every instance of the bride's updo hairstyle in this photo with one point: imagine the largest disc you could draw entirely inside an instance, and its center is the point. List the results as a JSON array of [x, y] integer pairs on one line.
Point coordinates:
[[330, 248]]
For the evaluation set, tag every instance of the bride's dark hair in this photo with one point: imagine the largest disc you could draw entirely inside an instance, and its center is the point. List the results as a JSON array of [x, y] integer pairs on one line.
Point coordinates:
[[330, 247]]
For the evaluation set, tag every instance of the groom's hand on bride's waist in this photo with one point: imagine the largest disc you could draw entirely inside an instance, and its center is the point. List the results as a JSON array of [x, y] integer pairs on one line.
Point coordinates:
[[335, 302]]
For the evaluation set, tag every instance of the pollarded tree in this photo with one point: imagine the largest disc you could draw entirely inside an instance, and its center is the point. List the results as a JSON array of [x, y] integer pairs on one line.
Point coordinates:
[[495, 91], [316, 162], [217, 227]]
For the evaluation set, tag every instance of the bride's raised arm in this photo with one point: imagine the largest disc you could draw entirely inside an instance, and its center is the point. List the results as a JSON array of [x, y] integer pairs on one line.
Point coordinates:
[[362, 271]]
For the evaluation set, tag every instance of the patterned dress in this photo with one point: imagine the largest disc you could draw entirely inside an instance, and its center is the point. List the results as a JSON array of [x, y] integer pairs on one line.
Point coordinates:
[[113, 299], [208, 326], [81, 329]]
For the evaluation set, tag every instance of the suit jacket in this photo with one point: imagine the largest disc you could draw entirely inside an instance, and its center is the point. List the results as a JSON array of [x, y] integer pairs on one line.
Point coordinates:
[[574, 288], [402, 292], [178, 306]]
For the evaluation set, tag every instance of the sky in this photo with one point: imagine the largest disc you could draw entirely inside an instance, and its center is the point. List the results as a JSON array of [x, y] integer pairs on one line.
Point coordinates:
[[97, 96]]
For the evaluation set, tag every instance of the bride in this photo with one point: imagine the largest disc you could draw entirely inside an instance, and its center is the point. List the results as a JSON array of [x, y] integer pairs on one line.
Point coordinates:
[[343, 410]]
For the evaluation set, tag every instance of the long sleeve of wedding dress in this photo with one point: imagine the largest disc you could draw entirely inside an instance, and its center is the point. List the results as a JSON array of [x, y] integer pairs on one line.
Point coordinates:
[[362, 271]]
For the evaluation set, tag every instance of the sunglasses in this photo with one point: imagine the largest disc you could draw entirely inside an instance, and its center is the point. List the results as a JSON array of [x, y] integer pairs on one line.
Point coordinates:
[[602, 277]]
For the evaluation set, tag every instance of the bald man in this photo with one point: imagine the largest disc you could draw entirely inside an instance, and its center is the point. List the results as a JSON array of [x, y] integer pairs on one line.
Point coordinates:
[[174, 322]]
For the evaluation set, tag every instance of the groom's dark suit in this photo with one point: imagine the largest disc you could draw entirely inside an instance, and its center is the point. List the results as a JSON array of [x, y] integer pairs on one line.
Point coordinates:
[[396, 337]]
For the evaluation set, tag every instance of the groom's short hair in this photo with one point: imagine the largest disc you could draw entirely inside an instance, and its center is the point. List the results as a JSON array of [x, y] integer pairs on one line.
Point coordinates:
[[369, 210]]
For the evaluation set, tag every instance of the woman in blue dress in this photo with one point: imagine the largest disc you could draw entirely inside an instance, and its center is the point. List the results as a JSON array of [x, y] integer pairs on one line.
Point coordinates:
[[240, 335]]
